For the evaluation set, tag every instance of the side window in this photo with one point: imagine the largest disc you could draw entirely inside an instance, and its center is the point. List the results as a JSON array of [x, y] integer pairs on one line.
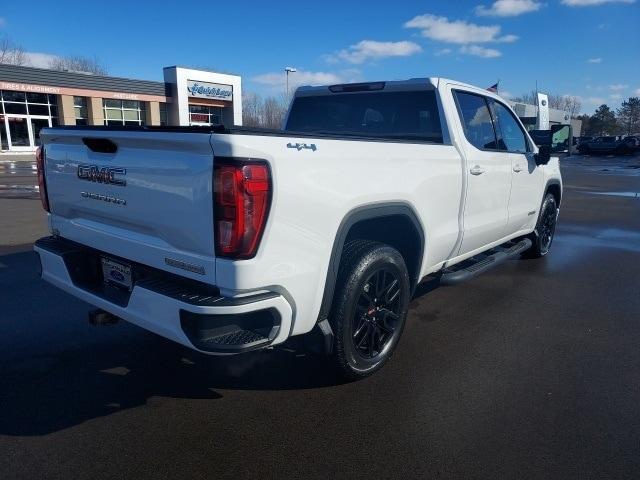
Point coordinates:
[[477, 121], [512, 137]]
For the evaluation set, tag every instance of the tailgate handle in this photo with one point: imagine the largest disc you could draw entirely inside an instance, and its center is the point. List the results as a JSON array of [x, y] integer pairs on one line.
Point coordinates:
[[100, 145]]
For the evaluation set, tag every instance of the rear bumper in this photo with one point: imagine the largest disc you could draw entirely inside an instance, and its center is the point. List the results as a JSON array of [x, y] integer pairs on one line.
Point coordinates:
[[187, 312]]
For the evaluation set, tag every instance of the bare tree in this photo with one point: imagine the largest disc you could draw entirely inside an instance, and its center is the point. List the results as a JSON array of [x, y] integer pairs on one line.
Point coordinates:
[[77, 63], [267, 113], [567, 103], [274, 111], [555, 101], [251, 109], [572, 105], [530, 98], [11, 53]]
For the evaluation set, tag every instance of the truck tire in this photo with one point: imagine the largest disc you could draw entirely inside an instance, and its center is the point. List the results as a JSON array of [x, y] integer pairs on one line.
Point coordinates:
[[542, 236], [369, 308]]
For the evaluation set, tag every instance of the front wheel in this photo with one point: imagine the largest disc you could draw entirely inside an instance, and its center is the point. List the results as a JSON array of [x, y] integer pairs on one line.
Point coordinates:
[[370, 307], [545, 228]]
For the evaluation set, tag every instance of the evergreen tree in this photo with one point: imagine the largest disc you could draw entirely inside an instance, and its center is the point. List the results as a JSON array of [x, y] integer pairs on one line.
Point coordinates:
[[603, 121], [629, 115]]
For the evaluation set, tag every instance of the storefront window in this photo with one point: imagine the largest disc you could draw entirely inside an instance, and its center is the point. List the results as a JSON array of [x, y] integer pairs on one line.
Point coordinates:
[[164, 118], [204, 115], [17, 108], [34, 104], [37, 98], [123, 112], [23, 115], [14, 96], [80, 108], [35, 109]]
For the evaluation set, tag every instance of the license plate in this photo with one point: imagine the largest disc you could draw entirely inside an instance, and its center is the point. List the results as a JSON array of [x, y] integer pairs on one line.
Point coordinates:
[[116, 273]]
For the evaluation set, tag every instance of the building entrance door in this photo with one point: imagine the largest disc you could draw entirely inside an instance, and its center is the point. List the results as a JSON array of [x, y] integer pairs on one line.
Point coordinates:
[[23, 131], [38, 124]]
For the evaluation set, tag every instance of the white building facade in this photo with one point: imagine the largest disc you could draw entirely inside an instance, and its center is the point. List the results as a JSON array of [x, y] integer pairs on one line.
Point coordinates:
[[200, 97]]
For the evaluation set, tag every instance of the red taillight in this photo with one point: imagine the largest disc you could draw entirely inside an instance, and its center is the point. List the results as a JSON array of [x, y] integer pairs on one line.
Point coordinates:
[[42, 184], [242, 194]]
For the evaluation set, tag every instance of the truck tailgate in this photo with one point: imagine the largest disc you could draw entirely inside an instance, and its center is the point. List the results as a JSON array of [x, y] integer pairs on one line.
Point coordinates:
[[150, 201]]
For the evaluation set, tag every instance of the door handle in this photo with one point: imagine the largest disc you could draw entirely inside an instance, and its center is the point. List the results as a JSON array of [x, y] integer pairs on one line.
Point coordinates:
[[517, 168], [477, 170]]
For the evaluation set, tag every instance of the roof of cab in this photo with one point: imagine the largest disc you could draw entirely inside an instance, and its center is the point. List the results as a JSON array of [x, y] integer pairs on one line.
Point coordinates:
[[395, 85]]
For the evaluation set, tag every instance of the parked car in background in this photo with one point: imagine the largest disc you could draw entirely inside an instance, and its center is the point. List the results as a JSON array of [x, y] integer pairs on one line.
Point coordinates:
[[632, 142], [605, 146], [582, 140]]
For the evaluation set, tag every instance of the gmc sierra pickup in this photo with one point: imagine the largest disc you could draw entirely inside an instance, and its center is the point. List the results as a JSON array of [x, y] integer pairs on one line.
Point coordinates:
[[232, 239]]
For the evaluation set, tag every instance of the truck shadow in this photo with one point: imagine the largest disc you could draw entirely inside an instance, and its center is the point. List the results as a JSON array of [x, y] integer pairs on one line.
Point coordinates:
[[42, 394], [56, 371]]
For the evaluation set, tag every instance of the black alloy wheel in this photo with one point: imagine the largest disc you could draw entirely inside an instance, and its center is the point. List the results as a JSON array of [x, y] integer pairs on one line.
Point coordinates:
[[369, 307], [548, 226], [377, 313], [542, 238]]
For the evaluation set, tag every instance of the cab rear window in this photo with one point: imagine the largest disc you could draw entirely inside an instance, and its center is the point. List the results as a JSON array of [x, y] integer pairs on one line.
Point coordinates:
[[388, 115]]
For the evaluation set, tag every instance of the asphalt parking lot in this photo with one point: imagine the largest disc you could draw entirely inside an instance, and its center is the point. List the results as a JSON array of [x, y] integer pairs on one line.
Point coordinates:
[[529, 371]]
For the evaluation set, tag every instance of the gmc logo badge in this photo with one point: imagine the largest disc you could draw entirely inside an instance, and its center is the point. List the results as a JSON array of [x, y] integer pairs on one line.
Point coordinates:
[[107, 175]]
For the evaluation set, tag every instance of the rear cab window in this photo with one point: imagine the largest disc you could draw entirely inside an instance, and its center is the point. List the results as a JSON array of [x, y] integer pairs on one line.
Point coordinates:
[[393, 115]]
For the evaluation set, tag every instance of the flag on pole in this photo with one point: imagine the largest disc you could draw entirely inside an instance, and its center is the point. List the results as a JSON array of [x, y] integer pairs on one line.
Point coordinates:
[[493, 88]]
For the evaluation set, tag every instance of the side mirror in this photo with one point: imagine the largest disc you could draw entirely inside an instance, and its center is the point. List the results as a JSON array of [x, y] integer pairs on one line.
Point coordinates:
[[544, 155], [560, 135]]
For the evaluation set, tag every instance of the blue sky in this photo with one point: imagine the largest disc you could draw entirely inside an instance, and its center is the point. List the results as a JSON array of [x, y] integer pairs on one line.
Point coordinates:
[[589, 48]]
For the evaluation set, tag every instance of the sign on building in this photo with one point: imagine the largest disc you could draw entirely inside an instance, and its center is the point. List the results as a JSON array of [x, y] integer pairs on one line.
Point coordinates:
[[543, 112], [214, 91]]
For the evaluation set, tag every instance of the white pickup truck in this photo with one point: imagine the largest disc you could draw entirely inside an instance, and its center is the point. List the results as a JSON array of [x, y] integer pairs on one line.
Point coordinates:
[[233, 239]]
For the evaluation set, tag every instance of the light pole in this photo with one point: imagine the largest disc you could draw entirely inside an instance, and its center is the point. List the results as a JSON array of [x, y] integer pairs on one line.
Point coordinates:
[[289, 70]]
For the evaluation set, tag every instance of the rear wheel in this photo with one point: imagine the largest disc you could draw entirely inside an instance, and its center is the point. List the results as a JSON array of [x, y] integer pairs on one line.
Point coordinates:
[[370, 307], [545, 228]]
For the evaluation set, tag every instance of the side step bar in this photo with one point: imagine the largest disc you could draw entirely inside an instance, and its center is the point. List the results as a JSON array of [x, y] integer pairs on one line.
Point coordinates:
[[485, 261]]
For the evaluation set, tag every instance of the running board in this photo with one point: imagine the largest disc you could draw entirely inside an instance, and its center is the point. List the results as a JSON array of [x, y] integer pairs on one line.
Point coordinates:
[[468, 269]]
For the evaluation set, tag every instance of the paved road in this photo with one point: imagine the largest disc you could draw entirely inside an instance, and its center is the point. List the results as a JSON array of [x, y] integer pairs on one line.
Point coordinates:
[[530, 371], [21, 216]]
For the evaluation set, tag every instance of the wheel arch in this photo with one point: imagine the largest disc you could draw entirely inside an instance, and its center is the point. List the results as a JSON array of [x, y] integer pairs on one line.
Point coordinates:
[[358, 221], [554, 188]]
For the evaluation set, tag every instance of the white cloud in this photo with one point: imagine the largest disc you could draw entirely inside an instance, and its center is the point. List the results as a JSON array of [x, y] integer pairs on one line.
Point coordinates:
[[40, 60], [480, 51], [457, 31], [617, 87], [637, 92], [595, 60], [589, 3], [596, 100], [305, 77], [505, 94], [615, 96], [508, 8], [373, 50]]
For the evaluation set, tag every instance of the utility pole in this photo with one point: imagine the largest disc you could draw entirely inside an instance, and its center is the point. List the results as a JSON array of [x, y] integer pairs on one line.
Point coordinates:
[[289, 70]]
